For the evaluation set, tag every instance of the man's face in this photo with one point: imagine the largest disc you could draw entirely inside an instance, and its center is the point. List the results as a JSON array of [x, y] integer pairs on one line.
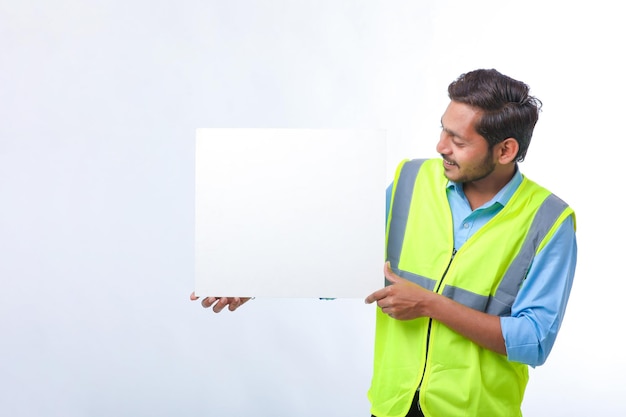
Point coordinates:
[[466, 154]]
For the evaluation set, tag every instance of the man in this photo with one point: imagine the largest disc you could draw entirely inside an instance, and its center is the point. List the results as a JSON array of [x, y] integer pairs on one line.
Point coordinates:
[[480, 263]]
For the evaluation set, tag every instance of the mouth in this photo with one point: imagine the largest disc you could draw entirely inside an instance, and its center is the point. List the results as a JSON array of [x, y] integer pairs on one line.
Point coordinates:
[[448, 163]]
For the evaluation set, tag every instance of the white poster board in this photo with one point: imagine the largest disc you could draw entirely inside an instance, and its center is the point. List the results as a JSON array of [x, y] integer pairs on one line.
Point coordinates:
[[290, 212]]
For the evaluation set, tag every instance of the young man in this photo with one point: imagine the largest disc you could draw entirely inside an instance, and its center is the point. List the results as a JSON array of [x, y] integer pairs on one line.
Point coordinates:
[[480, 263]]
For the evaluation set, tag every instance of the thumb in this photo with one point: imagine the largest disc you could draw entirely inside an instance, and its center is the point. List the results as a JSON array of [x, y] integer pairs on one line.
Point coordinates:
[[391, 277]]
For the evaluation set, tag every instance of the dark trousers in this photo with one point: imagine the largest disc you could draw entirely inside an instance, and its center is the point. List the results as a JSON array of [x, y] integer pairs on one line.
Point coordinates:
[[415, 410]]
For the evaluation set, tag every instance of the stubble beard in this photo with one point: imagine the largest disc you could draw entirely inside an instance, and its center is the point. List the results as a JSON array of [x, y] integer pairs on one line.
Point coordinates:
[[483, 170]]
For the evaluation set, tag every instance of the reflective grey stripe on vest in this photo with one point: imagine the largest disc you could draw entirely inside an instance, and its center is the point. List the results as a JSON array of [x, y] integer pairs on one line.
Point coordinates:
[[549, 212], [499, 304], [399, 217]]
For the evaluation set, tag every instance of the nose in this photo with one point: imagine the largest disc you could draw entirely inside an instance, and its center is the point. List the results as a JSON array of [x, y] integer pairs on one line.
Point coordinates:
[[443, 147]]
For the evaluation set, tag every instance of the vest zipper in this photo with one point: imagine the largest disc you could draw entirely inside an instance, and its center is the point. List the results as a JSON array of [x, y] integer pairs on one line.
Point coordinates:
[[430, 321]]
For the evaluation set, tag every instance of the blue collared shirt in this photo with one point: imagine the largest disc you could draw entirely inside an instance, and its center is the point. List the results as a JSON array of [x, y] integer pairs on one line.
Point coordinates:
[[536, 315]]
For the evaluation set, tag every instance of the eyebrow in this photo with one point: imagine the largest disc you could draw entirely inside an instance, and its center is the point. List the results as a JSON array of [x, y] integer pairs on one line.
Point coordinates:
[[450, 131]]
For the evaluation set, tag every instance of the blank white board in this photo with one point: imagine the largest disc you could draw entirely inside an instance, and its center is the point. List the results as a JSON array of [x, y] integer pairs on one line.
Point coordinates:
[[290, 212]]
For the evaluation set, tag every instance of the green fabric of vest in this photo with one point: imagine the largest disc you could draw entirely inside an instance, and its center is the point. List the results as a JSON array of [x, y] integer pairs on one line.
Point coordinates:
[[455, 376]]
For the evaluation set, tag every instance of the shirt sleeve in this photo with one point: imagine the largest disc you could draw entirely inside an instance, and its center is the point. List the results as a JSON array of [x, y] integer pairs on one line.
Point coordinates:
[[537, 313]]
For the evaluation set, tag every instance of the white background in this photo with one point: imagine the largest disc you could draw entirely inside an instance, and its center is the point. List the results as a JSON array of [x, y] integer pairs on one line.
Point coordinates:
[[99, 102]]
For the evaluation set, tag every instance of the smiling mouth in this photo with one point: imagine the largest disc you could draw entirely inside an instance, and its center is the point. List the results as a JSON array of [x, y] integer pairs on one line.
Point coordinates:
[[448, 163]]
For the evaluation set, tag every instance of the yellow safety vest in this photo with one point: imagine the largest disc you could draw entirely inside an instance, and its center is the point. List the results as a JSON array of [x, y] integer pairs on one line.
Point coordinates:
[[455, 376]]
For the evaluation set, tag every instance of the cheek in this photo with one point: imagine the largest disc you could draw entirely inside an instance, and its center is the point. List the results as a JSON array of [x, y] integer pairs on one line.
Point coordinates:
[[461, 156], [469, 156]]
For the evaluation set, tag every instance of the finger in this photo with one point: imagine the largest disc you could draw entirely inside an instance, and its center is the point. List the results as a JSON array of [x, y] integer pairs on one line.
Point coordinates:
[[376, 296], [235, 302], [221, 303], [193, 296], [386, 309], [208, 302]]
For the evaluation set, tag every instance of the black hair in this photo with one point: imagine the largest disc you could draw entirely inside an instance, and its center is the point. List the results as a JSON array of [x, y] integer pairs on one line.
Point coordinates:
[[508, 110]]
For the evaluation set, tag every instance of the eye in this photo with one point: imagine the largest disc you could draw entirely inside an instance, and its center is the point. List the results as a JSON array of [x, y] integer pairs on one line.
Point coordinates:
[[457, 142]]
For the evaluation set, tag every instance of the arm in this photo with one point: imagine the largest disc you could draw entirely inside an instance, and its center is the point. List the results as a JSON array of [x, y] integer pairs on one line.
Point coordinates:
[[405, 300], [538, 310], [527, 336]]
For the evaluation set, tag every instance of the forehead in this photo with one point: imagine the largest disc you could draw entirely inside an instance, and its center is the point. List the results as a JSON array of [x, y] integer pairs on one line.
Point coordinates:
[[460, 118]]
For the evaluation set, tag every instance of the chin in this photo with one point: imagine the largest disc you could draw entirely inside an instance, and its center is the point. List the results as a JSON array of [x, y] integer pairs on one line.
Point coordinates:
[[449, 176]]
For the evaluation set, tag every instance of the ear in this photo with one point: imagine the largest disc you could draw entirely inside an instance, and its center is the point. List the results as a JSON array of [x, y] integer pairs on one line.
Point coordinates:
[[507, 150]]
